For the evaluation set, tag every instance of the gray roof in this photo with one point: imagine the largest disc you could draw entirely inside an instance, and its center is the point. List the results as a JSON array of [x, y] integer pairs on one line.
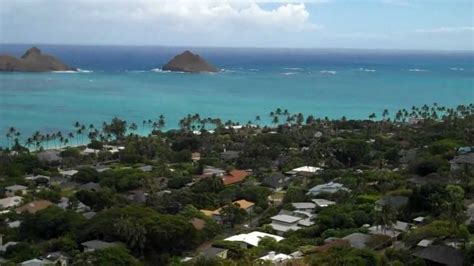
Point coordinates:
[[90, 186], [464, 159], [285, 218], [16, 187], [98, 244], [146, 168], [230, 155], [212, 252], [441, 254], [49, 156], [358, 240], [394, 201], [276, 180]]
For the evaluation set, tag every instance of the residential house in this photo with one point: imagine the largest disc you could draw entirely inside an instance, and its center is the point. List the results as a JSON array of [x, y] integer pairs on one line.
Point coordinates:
[[330, 188], [392, 231], [89, 151], [234, 177], [3, 247], [331, 244], [304, 206], [93, 245], [213, 252], [91, 186], [462, 162], [39, 180], [197, 223], [307, 170], [358, 240], [277, 181], [101, 168], [195, 156], [465, 150], [441, 255], [145, 168], [433, 178], [276, 259], [287, 220], [396, 202], [34, 206], [248, 206], [323, 203], [64, 204], [229, 155], [252, 239], [68, 173], [89, 215], [10, 202], [212, 171], [14, 190], [49, 156]]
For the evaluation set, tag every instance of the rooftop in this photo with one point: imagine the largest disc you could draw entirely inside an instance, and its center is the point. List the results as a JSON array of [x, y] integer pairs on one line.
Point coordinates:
[[285, 218], [235, 176], [34, 206], [99, 244], [252, 238]]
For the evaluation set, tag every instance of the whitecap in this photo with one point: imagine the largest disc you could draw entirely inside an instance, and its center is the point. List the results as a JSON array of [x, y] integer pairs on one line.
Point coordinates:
[[159, 70], [456, 69], [84, 71], [135, 71], [289, 73], [328, 72], [293, 68], [417, 70], [367, 69], [72, 71]]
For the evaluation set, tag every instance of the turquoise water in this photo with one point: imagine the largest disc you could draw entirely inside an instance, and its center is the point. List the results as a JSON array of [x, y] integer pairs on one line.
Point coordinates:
[[334, 83]]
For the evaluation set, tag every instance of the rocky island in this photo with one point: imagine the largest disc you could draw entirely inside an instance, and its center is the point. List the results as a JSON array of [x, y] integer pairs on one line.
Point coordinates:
[[32, 61], [189, 62]]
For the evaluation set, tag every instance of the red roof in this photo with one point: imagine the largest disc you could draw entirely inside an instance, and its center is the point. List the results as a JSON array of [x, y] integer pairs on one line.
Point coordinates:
[[235, 176]]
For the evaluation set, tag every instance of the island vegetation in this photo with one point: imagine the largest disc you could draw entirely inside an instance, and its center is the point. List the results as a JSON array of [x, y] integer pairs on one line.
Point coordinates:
[[284, 188]]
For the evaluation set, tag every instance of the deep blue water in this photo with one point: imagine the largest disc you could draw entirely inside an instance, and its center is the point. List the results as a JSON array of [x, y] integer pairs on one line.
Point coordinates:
[[253, 82]]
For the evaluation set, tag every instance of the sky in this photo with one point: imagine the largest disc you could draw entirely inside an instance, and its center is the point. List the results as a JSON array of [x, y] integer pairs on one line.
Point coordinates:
[[360, 24]]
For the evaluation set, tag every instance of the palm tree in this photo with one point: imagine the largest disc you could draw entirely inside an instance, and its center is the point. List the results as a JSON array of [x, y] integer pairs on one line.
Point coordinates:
[[275, 120], [386, 217]]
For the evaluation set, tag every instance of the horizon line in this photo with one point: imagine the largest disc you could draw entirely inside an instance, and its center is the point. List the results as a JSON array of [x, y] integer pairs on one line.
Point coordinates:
[[245, 47]]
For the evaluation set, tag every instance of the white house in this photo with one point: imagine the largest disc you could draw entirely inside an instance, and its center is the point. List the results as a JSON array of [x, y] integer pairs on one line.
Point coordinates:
[[252, 239], [286, 221], [323, 203], [10, 202], [15, 189], [68, 173], [330, 188], [304, 206], [276, 259]]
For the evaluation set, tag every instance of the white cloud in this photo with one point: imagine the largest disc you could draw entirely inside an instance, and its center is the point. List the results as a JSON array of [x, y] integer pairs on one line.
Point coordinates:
[[464, 29]]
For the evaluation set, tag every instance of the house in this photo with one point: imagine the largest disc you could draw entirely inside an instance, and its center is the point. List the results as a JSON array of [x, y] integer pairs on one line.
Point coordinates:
[[91, 186], [89, 151], [89, 215], [35, 262], [307, 170], [137, 195], [9, 202], [283, 223], [14, 190], [461, 162], [333, 243], [393, 231], [252, 239], [195, 156], [304, 206], [93, 245], [38, 179], [277, 181], [330, 188], [34, 206], [3, 247], [441, 255], [276, 259], [101, 168], [323, 203], [396, 202], [425, 243], [68, 173], [14, 224], [145, 168], [234, 177], [55, 258], [465, 150], [64, 204], [213, 252], [197, 223], [358, 240], [433, 178], [229, 155], [49, 156], [287, 220], [248, 206], [212, 171]]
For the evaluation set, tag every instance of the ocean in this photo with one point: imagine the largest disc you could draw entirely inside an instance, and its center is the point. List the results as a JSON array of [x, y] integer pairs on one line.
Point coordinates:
[[126, 82]]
